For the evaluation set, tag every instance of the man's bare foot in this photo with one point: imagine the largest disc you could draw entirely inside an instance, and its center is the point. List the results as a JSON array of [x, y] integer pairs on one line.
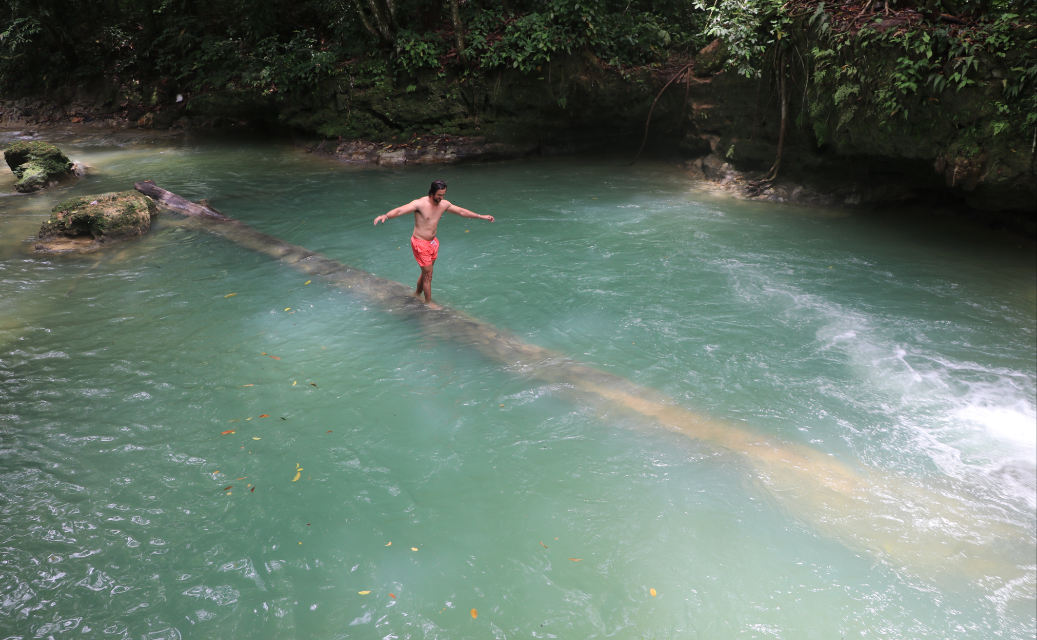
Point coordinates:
[[432, 305]]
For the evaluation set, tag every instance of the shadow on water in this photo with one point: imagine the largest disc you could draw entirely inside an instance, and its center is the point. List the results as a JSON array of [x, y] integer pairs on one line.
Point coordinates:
[[937, 532]]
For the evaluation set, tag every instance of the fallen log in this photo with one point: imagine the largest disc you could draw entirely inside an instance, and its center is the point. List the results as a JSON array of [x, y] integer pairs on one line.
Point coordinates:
[[173, 201], [865, 509]]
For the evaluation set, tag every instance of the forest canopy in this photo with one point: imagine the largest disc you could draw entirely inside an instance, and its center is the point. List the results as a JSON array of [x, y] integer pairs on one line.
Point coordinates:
[[288, 50]]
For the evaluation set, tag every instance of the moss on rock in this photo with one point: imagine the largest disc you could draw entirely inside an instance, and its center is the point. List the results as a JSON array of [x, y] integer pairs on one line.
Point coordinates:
[[97, 220], [35, 164]]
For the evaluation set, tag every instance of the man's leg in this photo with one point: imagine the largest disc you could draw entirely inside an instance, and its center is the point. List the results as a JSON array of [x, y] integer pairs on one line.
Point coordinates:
[[425, 283]]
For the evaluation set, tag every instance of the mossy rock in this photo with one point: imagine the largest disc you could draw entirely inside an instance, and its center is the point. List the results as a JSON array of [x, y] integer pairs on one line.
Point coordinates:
[[711, 59], [35, 164], [88, 222]]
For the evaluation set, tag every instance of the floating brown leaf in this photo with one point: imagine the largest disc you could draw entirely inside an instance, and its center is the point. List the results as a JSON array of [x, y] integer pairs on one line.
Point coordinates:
[[227, 431], [228, 488], [253, 490], [392, 595], [543, 545], [275, 357], [265, 415], [576, 559], [329, 432], [248, 385], [313, 385]]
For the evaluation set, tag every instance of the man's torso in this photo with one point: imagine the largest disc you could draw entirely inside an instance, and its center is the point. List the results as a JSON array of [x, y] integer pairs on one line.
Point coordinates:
[[426, 218]]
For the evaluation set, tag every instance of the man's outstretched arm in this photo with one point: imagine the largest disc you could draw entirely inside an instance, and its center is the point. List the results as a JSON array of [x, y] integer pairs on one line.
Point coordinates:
[[395, 213], [465, 213]]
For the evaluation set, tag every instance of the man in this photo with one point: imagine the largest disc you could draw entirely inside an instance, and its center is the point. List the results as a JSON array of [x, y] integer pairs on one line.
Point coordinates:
[[423, 242]]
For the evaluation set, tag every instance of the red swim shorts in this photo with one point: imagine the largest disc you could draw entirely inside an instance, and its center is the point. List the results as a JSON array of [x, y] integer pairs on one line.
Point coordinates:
[[425, 252]]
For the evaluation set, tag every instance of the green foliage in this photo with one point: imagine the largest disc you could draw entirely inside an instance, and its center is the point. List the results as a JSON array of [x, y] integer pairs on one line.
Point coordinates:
[[289, 49], [415, 51], [748, 27], [902, 73]]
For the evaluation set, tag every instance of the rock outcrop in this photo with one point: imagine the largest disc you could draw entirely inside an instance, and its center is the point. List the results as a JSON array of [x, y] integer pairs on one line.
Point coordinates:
[[438, 150], [90, 222], [36, 165]]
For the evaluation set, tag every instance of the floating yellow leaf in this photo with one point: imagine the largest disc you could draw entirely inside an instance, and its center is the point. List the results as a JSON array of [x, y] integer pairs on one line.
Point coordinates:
[[298, 474], [576, 559], [229, 492], [475, 614], [652, 591], [238, 420], [230, 295], [502, 405], [287, 308], [389, 545], [255, 438], [363, 593], [413, 548], [294, 383], [247, 419], [307, 282], [466, 230]]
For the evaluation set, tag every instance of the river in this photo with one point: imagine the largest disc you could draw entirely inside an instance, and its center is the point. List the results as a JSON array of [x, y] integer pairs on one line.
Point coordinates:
[[199, 441]]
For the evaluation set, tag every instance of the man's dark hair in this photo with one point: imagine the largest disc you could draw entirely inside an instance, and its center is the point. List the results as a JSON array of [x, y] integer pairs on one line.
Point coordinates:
[[436, 186]]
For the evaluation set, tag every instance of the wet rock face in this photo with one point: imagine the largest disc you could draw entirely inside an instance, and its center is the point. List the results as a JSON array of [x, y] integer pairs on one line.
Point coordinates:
[[89, 222], [36, 164], [435, 151]]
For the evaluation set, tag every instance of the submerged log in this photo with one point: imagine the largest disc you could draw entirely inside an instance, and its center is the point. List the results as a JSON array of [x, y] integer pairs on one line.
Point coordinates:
[[866, 509]]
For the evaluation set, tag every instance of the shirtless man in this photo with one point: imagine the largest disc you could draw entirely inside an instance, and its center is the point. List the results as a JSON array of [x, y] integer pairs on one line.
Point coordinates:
[[423, 242]]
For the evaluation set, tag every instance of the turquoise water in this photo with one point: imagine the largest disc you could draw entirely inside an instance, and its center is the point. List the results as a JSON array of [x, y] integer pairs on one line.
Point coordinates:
[[902, 347]]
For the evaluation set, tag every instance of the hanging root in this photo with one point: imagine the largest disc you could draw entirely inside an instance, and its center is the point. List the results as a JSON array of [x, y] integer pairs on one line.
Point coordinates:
[[685, 70], [784, 96]]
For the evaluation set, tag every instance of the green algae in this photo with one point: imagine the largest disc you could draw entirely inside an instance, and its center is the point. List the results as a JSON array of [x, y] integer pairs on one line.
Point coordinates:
[[106, 217], [35, 164]]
